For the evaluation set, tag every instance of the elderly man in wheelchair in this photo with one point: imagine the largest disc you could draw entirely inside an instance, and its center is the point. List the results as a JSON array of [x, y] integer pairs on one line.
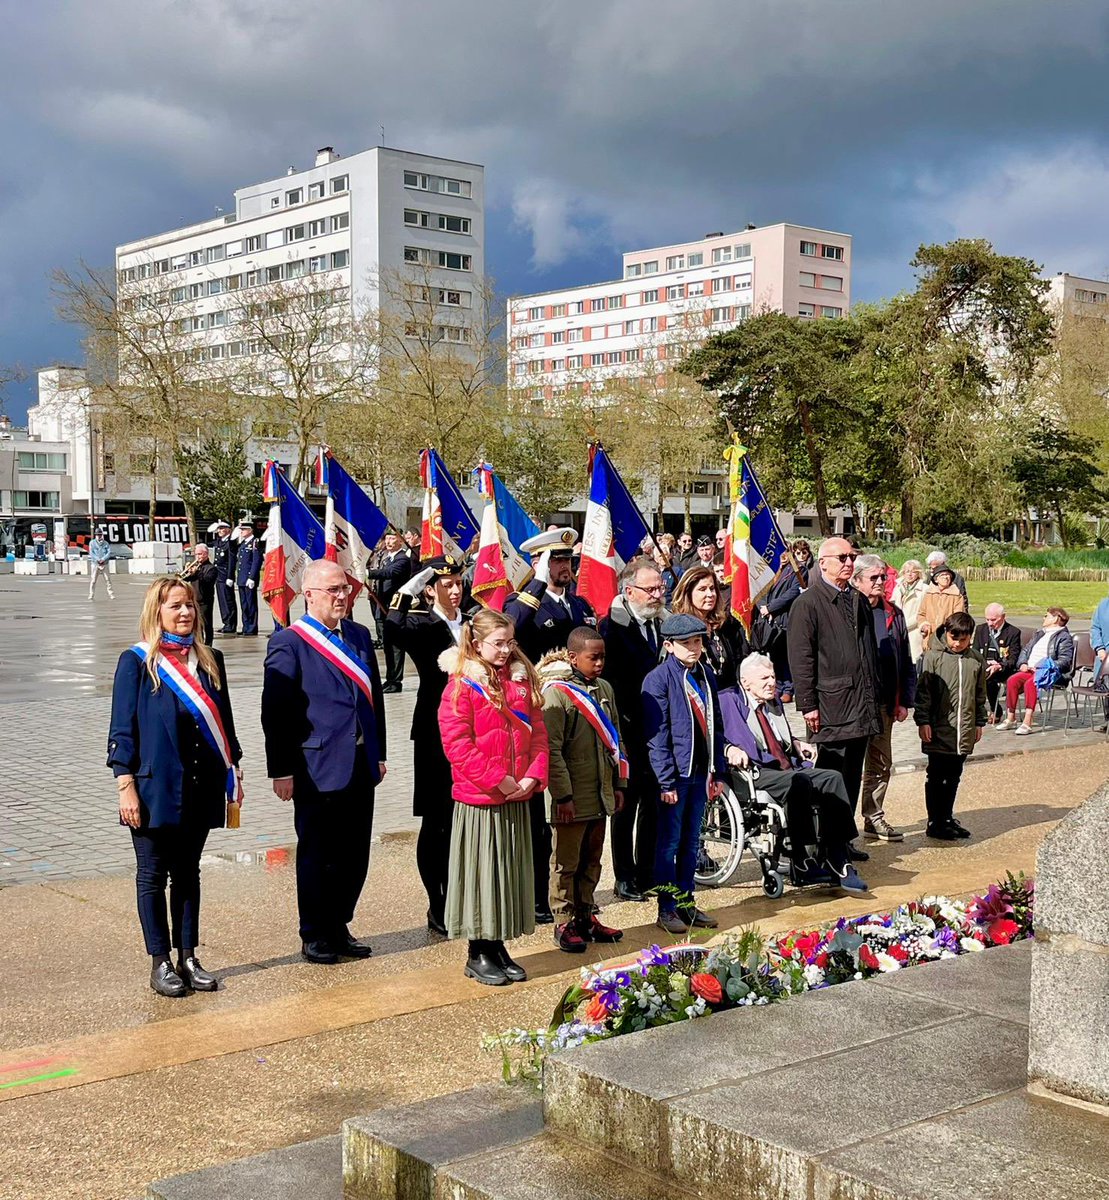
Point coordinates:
[[762, 751]]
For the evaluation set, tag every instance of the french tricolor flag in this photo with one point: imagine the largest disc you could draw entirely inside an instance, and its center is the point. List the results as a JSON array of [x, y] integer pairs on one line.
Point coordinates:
[[353, 523], [500, 567], [448, 526], [614, 531], [293, 539]]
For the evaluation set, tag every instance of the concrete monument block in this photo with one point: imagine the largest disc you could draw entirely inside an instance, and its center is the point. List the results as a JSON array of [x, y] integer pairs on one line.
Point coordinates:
[[1069, 1013]]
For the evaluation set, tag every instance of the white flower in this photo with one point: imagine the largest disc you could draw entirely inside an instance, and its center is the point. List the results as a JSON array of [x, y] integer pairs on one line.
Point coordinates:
[[886, 962], [814, 976], [971, 944]]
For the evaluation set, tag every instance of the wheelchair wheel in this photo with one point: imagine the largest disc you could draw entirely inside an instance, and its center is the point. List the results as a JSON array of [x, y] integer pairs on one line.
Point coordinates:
[[721, 841], [773, 884]]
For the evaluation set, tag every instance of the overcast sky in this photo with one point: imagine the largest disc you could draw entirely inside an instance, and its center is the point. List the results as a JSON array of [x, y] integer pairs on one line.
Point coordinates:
[[603, 126]]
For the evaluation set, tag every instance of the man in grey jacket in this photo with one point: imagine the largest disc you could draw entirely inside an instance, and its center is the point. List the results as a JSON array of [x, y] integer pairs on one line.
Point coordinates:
[[100, 554]]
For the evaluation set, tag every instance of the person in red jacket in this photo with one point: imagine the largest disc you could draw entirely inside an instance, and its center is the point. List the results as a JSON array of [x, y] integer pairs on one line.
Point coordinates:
[[495, 739]]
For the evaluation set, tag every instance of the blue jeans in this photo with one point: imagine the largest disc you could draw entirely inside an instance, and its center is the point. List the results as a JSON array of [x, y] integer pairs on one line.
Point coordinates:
[[679, 838]]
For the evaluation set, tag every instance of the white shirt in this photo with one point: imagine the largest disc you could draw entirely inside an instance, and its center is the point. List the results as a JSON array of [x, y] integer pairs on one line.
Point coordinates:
[[777, 722], [454, 626], [1039, 651]]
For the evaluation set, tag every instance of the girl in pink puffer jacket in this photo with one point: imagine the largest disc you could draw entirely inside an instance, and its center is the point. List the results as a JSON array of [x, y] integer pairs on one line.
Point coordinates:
[[495, 739]]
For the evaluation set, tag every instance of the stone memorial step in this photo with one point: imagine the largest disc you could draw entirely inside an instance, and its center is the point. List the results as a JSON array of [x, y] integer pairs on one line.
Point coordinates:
[[308, 1170]]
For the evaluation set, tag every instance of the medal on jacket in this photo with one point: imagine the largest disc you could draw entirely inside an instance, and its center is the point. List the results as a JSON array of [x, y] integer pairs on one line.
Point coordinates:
[[602, 725]]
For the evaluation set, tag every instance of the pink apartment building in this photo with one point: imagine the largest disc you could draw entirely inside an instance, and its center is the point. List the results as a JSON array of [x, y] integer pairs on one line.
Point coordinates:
[[670, 298]]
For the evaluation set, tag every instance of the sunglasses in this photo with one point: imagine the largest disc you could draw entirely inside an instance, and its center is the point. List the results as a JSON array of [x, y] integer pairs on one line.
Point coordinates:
[[841, 557], [877, 578]]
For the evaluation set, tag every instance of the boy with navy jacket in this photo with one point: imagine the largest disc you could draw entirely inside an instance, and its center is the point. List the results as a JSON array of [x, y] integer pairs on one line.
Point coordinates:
[[685, 743]]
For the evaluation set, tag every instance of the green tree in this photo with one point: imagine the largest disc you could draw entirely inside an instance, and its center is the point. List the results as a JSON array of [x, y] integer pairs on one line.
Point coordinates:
[[1058, 473], [216, 483]]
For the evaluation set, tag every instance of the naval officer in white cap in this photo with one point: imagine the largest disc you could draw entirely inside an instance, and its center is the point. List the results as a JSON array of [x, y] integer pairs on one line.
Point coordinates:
[[547, 609]]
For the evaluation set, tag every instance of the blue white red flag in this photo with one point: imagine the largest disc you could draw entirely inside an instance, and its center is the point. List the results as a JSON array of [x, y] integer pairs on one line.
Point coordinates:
[[754, 548], [353, 524], [501, 567], [614, 532], [319, 468], [293, 539], [448, 526]]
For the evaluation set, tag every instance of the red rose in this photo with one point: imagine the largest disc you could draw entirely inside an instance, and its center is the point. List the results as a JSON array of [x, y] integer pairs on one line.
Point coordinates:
[[867, 958], [1003, 931], [899, 952], [595, 1011], [821, 959], [707, 987]]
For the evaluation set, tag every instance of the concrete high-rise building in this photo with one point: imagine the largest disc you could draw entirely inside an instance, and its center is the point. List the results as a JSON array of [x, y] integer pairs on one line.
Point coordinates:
[[1076, 295]]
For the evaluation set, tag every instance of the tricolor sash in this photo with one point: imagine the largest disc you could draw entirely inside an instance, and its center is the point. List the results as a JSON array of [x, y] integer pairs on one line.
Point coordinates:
[[590, 708], [341, 656], [698, 703], [522, 719], [186, 686]]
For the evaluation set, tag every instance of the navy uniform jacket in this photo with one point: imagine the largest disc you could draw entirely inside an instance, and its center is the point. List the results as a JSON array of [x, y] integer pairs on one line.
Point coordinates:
[[224, 553], [249, 562], [391, 575], [310, 713], [143, 741], [541, 622]]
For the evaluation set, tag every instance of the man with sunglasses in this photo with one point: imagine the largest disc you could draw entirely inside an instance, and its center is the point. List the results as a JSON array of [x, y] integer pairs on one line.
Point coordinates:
[[323, 716], [833, 656], [897, 676]]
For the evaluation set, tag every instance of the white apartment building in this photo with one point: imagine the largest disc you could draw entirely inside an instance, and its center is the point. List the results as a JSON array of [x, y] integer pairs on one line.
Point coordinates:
[[1078, 295]]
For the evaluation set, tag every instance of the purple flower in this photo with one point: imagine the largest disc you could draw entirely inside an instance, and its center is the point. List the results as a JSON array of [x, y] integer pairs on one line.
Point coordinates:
[[654, 956], [608, 991], [946, 939], [990, 907]]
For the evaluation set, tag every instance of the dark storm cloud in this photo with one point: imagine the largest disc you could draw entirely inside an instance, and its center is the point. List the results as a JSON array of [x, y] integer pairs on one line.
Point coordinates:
[[602, 125]]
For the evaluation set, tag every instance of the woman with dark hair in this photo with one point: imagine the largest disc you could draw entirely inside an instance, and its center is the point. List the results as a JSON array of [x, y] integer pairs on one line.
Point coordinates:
[[173, 751], [698, 594]]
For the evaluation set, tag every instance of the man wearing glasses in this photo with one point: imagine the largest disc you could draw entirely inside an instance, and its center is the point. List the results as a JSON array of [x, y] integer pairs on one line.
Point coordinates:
[[323, 716], [833, 656], [632, 634]]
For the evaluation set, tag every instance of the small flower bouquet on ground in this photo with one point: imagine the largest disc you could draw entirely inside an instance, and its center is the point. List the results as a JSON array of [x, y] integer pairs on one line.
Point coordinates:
[[664, 986]]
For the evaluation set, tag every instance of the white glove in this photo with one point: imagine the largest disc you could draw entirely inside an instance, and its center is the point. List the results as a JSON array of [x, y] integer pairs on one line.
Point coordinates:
[[415, 586], [250, 583], [230, 583], [543, 567]]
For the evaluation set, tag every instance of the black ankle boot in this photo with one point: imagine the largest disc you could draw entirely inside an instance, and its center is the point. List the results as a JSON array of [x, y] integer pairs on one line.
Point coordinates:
[[483, 967], [514, 973]]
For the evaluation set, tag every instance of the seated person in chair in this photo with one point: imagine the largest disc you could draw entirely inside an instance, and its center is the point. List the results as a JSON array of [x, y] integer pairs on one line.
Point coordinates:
[[818, 812]]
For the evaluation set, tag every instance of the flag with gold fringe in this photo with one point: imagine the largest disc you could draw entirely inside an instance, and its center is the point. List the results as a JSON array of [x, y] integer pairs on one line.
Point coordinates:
[[754, 548]]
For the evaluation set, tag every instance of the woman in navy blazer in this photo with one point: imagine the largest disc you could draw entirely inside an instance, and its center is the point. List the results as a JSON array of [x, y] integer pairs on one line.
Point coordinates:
[[173, 782]]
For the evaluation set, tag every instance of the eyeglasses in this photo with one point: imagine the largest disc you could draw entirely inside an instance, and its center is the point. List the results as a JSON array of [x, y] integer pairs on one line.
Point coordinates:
[[877, 578], [842, 557], [657, 590], [339, 589], [499, 645]]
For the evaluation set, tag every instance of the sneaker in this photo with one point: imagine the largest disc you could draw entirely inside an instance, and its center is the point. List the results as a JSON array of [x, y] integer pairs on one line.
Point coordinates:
[[672, 923], [849, 883], [1008, 723], [1023, 729], [569, 939], [811, 874], [593, 931], [880, 830], [959, 829], [941, 833], [695, 916]]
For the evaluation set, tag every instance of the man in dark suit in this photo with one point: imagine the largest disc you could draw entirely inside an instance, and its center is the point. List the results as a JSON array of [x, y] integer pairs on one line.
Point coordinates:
[[633, 648], [224, 553], [248, 571], [323, 716], [425, 619], [834, 658], [544, 613], [204, 577], [998, 645], [392, 571]]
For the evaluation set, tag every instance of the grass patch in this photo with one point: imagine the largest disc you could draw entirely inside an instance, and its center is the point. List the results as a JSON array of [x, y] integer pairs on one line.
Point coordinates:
[[1030, 598]]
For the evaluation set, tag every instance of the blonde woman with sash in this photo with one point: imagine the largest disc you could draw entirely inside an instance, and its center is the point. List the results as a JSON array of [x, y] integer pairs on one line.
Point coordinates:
[[174, 754]]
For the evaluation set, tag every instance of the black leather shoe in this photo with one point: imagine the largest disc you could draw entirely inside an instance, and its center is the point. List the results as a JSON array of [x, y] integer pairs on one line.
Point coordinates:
[[514, 973], [436, 924], [627, 891], [389, 688], [483, 967], [348, 947], [166, 982], [941, 833], [195, 975], [854, 854], [959, 829], [544, 916], [318, 952]]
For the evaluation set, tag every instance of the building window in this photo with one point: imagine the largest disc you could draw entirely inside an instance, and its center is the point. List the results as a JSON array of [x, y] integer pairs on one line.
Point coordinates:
[[295, 196], [614, 357], [340, 221], [650, 296], [616, 301], [215, 254], [295, 233], [340, 259], [649, 325], [575, 335], [315, 191], [743, 250], [253, 244], [535, 314], [631, 356], [37, 460], [808, 248], [47, 501], [275, 202], [806, 310], [317, 264], [317, 228], [575, 360], [196, 258], [413, 216], [454, 299], [722, 254], [454, 262], [275, 238], [633, 271], [295, 269], [276, 273], [558, 364], [651, 268], [177, 295], [454, 187], [413, 254], [831, 283], [215, 287], [412, 180], [742, 312], [695, 289], [1089, 297], [597, 305], [676, 262], [695, 260], [721, 315], [807, 279], [575, 308], [722, 284], [742, 281], [676, 293], [454, 224], [835, 252], [536, 340], [339, 184], [558, 337], [558, 310], [829, 310], [596, 360]]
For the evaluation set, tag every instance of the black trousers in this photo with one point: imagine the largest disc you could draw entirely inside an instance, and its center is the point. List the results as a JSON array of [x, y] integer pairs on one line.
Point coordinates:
[[228, 610], [848, 758], [941, 783], [818, 812], [170, 854], [248, 600], [394, 664], [995, 686], [333, 852], [635, 826], [206, 610], [540, 849], [433, 852]]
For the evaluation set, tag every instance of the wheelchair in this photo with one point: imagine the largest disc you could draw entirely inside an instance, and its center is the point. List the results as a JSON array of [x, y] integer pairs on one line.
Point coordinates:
[[739, 819]]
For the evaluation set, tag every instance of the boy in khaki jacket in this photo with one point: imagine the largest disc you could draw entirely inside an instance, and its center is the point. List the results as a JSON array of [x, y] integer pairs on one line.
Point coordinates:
[[587, 774]]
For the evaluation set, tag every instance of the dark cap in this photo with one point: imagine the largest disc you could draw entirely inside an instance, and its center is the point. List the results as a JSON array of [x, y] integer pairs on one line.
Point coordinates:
[[443, 566], [679, 626], [703, 540]]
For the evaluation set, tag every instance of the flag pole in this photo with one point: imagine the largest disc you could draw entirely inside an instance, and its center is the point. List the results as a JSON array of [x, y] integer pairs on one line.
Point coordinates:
[[596, 444]]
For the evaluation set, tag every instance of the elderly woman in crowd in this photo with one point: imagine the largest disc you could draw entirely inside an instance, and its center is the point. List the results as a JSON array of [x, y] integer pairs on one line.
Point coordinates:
[[940, 600], [699, 594], [173, 750], [907, 595], [1053, 642]]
